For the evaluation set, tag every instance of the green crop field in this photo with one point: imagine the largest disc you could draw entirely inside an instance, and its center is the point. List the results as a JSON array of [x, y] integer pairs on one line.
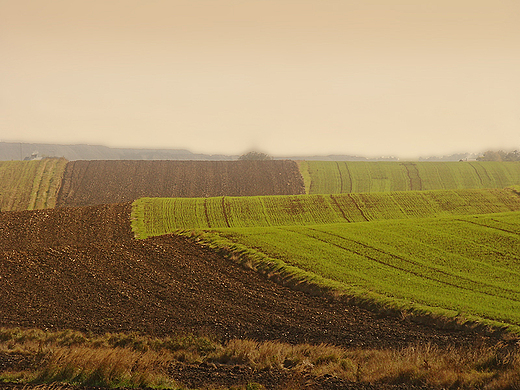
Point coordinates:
[[454, 266], [455, 262], [27, 185], [156, 216], [337, 177]]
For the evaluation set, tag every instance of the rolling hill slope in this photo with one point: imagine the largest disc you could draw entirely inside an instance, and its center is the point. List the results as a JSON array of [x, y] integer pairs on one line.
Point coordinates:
[[27, 185], [457, 262], [329, 177], [81, 268], [466, 265], [156, 216], [101, 182]]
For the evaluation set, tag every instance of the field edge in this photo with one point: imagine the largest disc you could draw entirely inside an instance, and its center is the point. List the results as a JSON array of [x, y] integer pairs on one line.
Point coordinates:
[[311, 283]]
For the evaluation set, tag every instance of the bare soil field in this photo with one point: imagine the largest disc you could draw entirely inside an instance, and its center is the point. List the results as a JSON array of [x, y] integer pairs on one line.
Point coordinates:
[[81, 268], [99, 182]]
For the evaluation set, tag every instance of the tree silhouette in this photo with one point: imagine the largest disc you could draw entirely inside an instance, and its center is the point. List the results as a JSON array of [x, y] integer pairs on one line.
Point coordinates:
[[255, 156]]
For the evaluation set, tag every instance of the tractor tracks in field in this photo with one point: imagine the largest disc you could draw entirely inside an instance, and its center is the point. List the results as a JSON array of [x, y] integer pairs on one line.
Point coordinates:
[[404, 260]]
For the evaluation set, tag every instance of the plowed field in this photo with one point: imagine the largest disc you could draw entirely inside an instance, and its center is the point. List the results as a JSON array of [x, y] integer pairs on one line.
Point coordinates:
[[81, 268], [100, 182]]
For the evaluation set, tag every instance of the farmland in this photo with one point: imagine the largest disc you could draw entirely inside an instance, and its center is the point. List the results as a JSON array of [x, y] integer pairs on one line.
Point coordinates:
[[458, 262], [334, 290], [156, 216], [329, 177], [124, 181], [27, 185], [96, 306], [450, 266], [81, 269]]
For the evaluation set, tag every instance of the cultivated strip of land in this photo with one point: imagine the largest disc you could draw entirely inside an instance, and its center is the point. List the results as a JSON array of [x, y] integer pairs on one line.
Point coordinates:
[[336, 177], [101, 182], [157, 216], [28, 185]]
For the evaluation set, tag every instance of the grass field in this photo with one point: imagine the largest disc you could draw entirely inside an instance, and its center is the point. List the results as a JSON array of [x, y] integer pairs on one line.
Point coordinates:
[[331, 177], [165, 215], [457, 263], [28, 185], [454, 266]]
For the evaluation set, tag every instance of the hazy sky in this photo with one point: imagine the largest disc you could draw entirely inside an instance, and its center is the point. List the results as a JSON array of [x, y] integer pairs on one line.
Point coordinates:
[[406, 78]]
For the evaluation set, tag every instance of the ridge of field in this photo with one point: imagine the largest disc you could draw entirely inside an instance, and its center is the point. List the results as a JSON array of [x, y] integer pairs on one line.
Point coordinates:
[[103, 182], [337, 177], [454, 267], [157, 216], [28, 185]]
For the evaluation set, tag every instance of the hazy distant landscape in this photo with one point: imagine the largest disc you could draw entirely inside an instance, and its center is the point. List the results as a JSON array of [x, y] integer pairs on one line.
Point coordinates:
[[23, 151]]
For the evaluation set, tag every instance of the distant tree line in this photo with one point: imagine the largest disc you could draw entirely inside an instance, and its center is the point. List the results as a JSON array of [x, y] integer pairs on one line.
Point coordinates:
[[255, 156], [500, 155]]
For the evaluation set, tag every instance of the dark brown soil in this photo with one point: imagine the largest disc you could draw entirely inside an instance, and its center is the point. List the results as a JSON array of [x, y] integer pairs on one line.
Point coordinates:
[[81, 268], [195, 376], [100, 182]]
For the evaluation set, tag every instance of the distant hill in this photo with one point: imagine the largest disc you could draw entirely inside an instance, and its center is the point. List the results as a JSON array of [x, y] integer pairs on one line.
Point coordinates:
[[30, 151], [25, 151]]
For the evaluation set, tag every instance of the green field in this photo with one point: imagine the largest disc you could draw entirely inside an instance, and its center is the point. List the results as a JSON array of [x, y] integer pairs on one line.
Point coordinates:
[[337, 177], [28, 185], [165, 215], [454, 266], [452, 263]]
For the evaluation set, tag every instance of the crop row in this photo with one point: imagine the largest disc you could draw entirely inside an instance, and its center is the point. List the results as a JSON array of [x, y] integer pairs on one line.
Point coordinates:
[[27, 185], [459, 265], [156, 216], [330, 177]]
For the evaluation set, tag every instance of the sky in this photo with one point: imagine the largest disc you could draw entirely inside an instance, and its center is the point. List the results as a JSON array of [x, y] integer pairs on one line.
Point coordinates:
[[404, 78]]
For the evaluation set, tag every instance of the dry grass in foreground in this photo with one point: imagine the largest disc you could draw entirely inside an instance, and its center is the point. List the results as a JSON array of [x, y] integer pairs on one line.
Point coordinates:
[[132, 360]]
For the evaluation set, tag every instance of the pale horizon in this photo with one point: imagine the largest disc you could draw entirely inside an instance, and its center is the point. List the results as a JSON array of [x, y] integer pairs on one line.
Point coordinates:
[[376, 78]]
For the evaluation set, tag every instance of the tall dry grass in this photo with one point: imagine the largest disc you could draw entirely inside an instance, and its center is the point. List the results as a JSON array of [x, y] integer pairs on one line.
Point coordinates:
[[133, 360]]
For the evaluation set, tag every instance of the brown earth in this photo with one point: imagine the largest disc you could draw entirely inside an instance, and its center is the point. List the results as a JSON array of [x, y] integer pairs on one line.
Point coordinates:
[[81, 268], [100, 182]]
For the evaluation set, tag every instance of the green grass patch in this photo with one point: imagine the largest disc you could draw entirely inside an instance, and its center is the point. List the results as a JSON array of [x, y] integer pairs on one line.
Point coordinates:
[[157, 216], [466, 267], [28, 185], [336, 177]]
